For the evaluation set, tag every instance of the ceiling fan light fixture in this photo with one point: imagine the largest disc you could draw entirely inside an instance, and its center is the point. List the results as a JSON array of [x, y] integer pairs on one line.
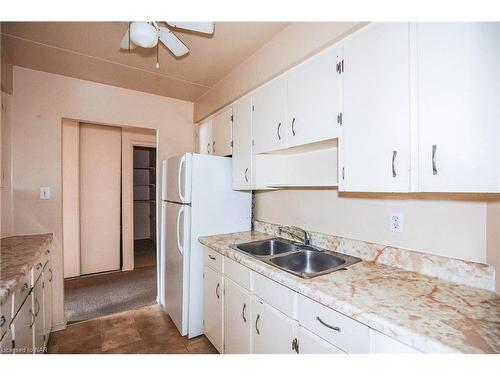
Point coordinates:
[[143, 34]]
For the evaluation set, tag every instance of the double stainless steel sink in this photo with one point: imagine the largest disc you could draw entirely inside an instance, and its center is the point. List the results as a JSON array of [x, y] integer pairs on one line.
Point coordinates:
[[302, 260]]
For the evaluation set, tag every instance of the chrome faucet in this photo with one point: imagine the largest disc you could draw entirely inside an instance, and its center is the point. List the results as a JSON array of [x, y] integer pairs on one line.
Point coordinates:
[[306, 237]]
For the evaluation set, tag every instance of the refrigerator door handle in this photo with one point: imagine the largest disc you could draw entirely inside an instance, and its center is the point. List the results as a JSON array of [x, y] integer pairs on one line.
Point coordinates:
[[180, 247], [182, 163]]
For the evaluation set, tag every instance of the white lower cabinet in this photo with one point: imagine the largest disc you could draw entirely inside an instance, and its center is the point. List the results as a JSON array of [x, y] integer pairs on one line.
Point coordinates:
[[6, 343], [48, 277], [38, 319], [237, 318], [213, 307], [22, 328], [273, 332], [309, 343]]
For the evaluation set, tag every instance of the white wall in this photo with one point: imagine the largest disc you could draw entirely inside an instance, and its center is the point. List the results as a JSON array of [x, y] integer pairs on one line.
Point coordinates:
[[40, 101], [445, 224]]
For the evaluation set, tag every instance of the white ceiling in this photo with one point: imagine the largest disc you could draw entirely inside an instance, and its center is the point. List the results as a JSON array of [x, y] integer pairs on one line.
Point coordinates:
[[90, 51]]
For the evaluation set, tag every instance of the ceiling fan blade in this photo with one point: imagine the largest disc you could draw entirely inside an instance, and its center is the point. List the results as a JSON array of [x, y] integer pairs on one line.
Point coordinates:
[[124, 44], [200, 27], [173, 43]]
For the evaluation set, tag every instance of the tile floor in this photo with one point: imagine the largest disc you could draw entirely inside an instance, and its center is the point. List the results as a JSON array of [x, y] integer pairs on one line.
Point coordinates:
[[144, 330]]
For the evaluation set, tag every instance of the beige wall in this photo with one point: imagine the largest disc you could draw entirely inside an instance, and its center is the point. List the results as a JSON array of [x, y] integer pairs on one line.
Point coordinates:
[[294, 44], [445, 224], [40, 101]]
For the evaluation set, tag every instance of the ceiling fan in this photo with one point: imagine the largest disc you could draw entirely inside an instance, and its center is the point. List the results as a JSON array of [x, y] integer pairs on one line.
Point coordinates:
[[149, 34]]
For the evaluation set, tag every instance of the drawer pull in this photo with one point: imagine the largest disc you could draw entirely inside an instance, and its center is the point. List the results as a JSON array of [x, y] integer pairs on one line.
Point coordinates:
[[3, 320], [211, 256], [217, 291], [327, 325], [257, 324], [25, 286], [243, 312]]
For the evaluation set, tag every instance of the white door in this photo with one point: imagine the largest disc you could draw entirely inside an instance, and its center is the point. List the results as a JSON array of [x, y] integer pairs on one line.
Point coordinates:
[[237, 318], [222, 133], [48, 276], [309, 343], [37, 306], [458, 99], [272, 331], [213, 307], [100, 198], [205, 138], [179, 178], [242, 144], [375, 144], [314, 99], [269, 125], [22, 328], [177, 228]]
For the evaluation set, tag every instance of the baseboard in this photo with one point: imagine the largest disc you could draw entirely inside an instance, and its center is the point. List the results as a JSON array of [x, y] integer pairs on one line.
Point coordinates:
[[58, 327]]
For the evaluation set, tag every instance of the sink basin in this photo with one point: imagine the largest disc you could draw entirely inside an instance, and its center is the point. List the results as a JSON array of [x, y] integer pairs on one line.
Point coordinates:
[[304, 261], [308, 263], [267, 247]]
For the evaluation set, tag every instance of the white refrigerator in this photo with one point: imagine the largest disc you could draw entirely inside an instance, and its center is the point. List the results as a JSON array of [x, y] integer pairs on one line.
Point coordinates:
[[197, 200]]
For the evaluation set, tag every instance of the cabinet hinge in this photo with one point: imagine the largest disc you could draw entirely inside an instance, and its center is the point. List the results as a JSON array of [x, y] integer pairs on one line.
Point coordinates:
[[340, 67], [339, 118], [253, 142], [253, 108], [343, 173], [232, 118], [231, 143]]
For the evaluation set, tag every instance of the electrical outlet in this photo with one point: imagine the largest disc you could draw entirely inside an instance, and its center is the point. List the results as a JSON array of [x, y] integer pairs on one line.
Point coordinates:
[[396, 222], [45, 192]]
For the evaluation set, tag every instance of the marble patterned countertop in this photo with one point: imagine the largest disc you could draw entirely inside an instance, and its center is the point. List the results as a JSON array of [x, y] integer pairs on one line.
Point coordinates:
[[429, 314], [17, 255]]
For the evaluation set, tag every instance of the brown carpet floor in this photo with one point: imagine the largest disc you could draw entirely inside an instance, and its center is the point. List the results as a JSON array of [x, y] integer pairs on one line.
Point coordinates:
[[145, 330]]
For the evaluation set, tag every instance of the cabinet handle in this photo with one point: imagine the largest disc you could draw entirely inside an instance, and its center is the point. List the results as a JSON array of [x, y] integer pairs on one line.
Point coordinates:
[[47, 252], [208, 148], [394, 153], [257, 324], [295, 345], [211, 256], [278, 130], [293, 126], [246, 177], [51, 275], [39, 265], [3, 320], [243, 312], [434, 167], [213, 146], [37, 304], [327, 325], [33, 317], [217, 291], [25, 286]]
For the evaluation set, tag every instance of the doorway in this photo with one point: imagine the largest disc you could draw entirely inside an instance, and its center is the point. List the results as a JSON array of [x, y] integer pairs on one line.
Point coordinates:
[[109, 219]]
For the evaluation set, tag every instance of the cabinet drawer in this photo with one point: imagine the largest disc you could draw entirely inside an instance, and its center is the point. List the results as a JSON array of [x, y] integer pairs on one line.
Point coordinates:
[[240, 274], [212, 259], [5, 315], [277, 295], [343, 332], [22, 291]]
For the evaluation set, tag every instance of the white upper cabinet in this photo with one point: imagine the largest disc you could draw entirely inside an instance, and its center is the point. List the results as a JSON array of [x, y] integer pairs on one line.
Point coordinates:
[[222, 133], [242, 144], [313, 99], [458, 103], [269, 116], [205, 138], [375, 144]]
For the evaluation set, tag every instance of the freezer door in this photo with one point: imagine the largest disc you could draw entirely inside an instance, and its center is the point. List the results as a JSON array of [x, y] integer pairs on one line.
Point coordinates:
[[179, 179], [177, 250]]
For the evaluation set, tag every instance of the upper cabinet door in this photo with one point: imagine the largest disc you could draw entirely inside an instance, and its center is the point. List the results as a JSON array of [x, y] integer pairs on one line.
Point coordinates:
[[375, 143], [269, 116], [458, 102], [242, 144], [205, 138], [313, 99], [222, 133]]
